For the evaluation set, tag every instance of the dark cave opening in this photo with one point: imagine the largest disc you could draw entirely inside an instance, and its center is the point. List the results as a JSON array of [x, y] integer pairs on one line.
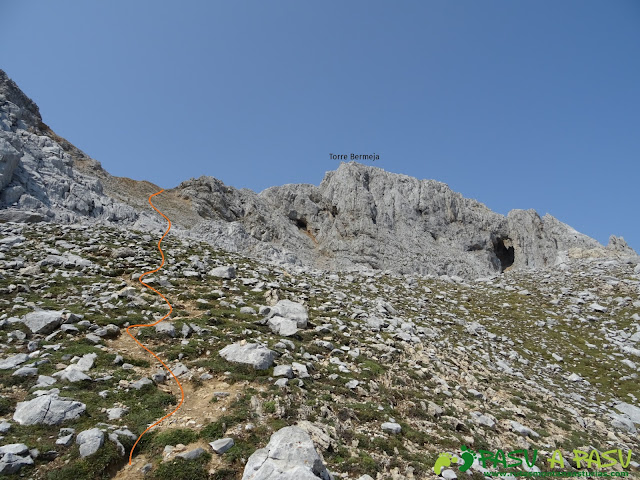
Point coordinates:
[[301, 223], [503, 248]]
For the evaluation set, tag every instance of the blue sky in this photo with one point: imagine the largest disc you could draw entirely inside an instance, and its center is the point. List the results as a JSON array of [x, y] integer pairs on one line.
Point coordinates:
[[516, 104]]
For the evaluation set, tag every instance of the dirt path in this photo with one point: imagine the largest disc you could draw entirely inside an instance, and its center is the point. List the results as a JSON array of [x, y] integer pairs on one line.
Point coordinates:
[[197, 411]]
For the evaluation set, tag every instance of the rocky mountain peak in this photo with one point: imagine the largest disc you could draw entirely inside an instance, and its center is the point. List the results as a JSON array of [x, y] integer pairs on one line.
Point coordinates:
[[358, 217]]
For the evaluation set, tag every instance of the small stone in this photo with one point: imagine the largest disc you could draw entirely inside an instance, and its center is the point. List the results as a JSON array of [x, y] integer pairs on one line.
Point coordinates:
[[222, 445], [65, 441], [391, 427], [283, 371], [141, 383], [116, 412], [166, 328], [192, 454], [574, 377], [282, 382], [448, 474]]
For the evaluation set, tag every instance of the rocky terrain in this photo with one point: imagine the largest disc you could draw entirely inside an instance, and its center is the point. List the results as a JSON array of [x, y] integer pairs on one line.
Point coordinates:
[[358, 218], [380, 371], [356, 329]]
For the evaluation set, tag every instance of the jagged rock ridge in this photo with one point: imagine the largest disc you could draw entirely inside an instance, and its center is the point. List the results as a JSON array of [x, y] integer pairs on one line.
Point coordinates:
[[358, 217], [363, 216]]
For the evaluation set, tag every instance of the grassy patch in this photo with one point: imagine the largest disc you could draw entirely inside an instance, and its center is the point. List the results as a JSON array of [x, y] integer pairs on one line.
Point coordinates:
[[183, 469]]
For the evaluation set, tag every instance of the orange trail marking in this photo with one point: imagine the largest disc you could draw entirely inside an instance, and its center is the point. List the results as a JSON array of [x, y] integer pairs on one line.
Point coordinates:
[[155, 323]]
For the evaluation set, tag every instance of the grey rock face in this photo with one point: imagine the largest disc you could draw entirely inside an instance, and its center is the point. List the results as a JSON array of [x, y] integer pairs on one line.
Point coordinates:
[[9, 158], [36, 174], [25, 372], [484, 420], [617, 244], [90, 441], [623, 423], [86, 362], [116, 412], [48, 410], [254, 354], [363, 217], [141, 383], [289, 455], [65, 440]]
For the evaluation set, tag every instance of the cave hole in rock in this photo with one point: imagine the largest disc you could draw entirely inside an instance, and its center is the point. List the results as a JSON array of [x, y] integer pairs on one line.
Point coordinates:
[[503, 248], [301, 223]]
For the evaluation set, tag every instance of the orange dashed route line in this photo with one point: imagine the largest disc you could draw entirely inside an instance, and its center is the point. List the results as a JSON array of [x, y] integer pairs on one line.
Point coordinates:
[[155, 323]]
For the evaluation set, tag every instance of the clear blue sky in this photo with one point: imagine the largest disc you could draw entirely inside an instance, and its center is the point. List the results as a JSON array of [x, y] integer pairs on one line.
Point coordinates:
[[518, 104]]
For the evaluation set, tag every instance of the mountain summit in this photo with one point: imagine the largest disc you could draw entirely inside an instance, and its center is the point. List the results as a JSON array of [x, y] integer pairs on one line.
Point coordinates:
[[359, 217]]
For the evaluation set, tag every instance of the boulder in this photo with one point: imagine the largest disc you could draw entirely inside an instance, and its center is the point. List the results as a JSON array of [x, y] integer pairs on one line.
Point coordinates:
[[391, 427], [227, 272], [48, 409], [90, 441], [86, 362], [72, 374], [15, 448], [284, 327], [283, 371], [25, 372], [11, 463], [141, 383], [293, 311], [192, 454], [254, 354], [289, 455], [116, 412], [13, 361], [166, 328], [222, 445], [43, 321], [522, 430], [631, 411]]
